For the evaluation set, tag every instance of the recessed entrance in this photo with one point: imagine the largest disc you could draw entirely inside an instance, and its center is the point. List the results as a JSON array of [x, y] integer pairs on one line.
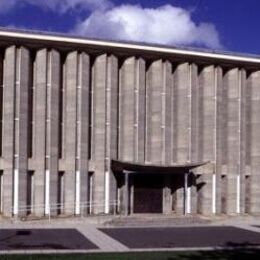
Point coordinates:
[[148, 193], [146, 188]]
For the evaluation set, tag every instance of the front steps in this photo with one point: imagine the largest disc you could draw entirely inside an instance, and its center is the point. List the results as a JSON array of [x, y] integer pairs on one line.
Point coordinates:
[[143, 220]]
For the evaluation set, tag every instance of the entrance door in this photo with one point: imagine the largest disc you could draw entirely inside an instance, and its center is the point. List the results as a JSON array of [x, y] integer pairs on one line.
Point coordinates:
[[148, 193]]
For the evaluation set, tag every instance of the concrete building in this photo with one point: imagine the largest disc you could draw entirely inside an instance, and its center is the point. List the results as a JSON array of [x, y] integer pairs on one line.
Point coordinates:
[[91, 126]]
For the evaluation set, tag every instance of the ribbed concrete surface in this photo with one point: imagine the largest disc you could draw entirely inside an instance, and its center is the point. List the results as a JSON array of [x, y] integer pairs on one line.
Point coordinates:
[[69, 112]]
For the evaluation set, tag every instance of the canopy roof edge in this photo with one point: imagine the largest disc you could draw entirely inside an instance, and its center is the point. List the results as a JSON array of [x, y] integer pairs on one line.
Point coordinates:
[[121, 166]]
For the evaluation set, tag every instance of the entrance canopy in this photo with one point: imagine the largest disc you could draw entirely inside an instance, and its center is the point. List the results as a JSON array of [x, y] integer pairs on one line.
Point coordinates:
[[121, 166]]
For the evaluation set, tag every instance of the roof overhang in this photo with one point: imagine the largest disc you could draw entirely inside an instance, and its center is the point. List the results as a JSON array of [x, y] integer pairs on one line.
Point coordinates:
[[122, 166], [62, 40]]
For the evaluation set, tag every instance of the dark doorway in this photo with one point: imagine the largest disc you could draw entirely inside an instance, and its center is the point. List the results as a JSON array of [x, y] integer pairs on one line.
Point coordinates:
[[30, 192], [224, 194], [148, 193]]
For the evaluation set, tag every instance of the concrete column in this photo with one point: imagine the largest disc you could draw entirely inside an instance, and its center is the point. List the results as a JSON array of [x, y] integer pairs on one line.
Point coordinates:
[[207, 110], [223, 140], [219, 134], [181, 122], [208, 113], [111, 130], [179, 194], [253, 83], [21, 125], [206, 190], [15, 116], [194, 104], [167, 113], [1, 103], [71, 84], [167, 198], [99, 82], [181, 113], [127, 122], [39, 111], [154, 90], [185, 194], [140, 111], [231, 83], [53, 85], [248, 140], [194, 131], [242, 141], [126, 193], [192, 182], [8, 128], [167, 133], [132, 110], [83, 115]]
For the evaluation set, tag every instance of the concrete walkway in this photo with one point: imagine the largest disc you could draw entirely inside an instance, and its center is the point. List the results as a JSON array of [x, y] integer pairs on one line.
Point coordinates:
[[103, 241], [106, 243]]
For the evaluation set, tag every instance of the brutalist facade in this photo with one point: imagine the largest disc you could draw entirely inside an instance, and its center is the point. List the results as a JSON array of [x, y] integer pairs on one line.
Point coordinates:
[[91, 126]]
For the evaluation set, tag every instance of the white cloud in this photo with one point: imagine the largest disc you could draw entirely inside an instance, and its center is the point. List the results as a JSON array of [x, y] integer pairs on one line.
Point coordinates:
[[57, 5], [65, 5], [163, 25]]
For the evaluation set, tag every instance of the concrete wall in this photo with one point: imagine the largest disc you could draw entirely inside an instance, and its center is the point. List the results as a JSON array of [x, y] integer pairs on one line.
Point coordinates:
[[89, 109]]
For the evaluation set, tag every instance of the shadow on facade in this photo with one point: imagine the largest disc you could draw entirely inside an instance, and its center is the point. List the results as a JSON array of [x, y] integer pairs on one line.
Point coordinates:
[[155, 189]]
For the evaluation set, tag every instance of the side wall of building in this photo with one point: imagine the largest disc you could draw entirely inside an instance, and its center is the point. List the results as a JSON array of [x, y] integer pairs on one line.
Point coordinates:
[[66, 115]]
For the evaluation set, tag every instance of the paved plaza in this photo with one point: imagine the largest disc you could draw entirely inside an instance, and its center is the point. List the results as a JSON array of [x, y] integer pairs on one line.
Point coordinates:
[[11, 239], [175, 237], [85, 236]]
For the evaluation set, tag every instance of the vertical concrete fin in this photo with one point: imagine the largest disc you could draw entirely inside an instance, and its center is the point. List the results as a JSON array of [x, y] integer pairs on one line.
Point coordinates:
[[253, 82], [154, 91], [231, 83], [194, 133], [111, 131], [127, 124], [242, 143], [71, 84], [21, 124], [167, 133], [167, 112], [181, 114], [83, 101], [99, 81], [8, 127], [181, 124], [207, 126], [207, 144], [194, 98], [246, 133], [140, 110], [218, 134], [53, 84], [1, 102], [40, 128]]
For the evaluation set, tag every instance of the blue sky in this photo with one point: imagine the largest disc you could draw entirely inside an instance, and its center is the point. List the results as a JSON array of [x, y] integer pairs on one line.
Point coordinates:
[[231, 25]]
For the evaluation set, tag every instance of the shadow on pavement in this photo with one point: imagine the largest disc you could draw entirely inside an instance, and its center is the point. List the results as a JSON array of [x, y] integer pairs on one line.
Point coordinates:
[[30, 239], [229, 254]]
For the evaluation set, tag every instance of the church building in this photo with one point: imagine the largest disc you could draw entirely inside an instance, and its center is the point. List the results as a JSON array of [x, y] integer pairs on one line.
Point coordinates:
[[104, 127]]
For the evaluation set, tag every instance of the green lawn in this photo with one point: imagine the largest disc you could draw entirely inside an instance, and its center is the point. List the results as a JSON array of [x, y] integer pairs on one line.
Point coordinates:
[[247, 254]]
